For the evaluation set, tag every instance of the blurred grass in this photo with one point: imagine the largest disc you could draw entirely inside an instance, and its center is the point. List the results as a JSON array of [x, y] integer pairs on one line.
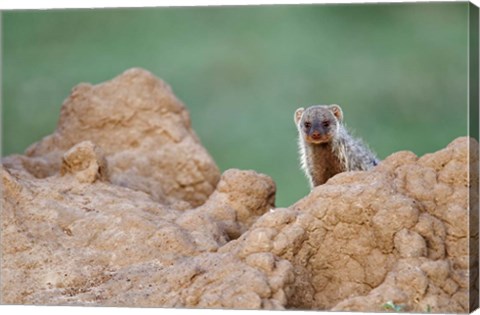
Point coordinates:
[[399, 71]]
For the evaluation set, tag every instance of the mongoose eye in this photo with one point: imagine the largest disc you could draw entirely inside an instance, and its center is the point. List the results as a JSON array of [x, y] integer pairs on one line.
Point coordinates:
[[326, 124], [307, 124]]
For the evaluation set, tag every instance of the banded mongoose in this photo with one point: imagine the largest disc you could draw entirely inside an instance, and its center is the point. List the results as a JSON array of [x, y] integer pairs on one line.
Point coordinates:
[[326, 147]]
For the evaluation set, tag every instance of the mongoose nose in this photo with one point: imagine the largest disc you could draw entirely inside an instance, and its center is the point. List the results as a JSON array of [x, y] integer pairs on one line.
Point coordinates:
[[316, 135]]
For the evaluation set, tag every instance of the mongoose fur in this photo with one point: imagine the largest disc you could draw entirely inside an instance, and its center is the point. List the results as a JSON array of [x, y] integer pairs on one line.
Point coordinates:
[[326, 147]]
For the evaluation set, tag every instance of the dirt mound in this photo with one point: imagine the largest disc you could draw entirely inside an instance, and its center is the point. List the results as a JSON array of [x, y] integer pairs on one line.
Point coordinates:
[[123, 206], [143, 129], [398, 233]]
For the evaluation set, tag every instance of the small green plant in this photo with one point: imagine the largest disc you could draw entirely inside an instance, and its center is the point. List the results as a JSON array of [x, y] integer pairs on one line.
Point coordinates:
[[392, 306], [429, 308]]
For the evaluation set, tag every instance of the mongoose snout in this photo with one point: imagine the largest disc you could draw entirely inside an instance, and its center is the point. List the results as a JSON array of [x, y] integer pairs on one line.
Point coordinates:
[[317, 136]]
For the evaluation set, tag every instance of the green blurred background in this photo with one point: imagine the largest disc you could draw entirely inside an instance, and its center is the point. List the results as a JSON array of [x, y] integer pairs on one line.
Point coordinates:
[[399, 71]]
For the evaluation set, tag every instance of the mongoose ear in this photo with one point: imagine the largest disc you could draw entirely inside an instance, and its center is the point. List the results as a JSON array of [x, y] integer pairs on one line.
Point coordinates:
[[298, 114], [337, 111]]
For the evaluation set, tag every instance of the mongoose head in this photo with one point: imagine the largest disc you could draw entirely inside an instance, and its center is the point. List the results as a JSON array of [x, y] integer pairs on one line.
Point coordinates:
[[318, 124]]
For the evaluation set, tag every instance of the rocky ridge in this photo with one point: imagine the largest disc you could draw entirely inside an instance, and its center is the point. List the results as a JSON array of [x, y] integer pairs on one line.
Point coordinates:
[[122, 206]]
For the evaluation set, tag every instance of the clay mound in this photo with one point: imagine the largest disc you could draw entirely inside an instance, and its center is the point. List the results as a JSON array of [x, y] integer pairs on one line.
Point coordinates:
[[144, 131], [91, 220], [398, 233], [67, 241]]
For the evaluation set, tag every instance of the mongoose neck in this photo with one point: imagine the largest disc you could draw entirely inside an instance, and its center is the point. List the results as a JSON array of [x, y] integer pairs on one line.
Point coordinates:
[[323, 162]]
